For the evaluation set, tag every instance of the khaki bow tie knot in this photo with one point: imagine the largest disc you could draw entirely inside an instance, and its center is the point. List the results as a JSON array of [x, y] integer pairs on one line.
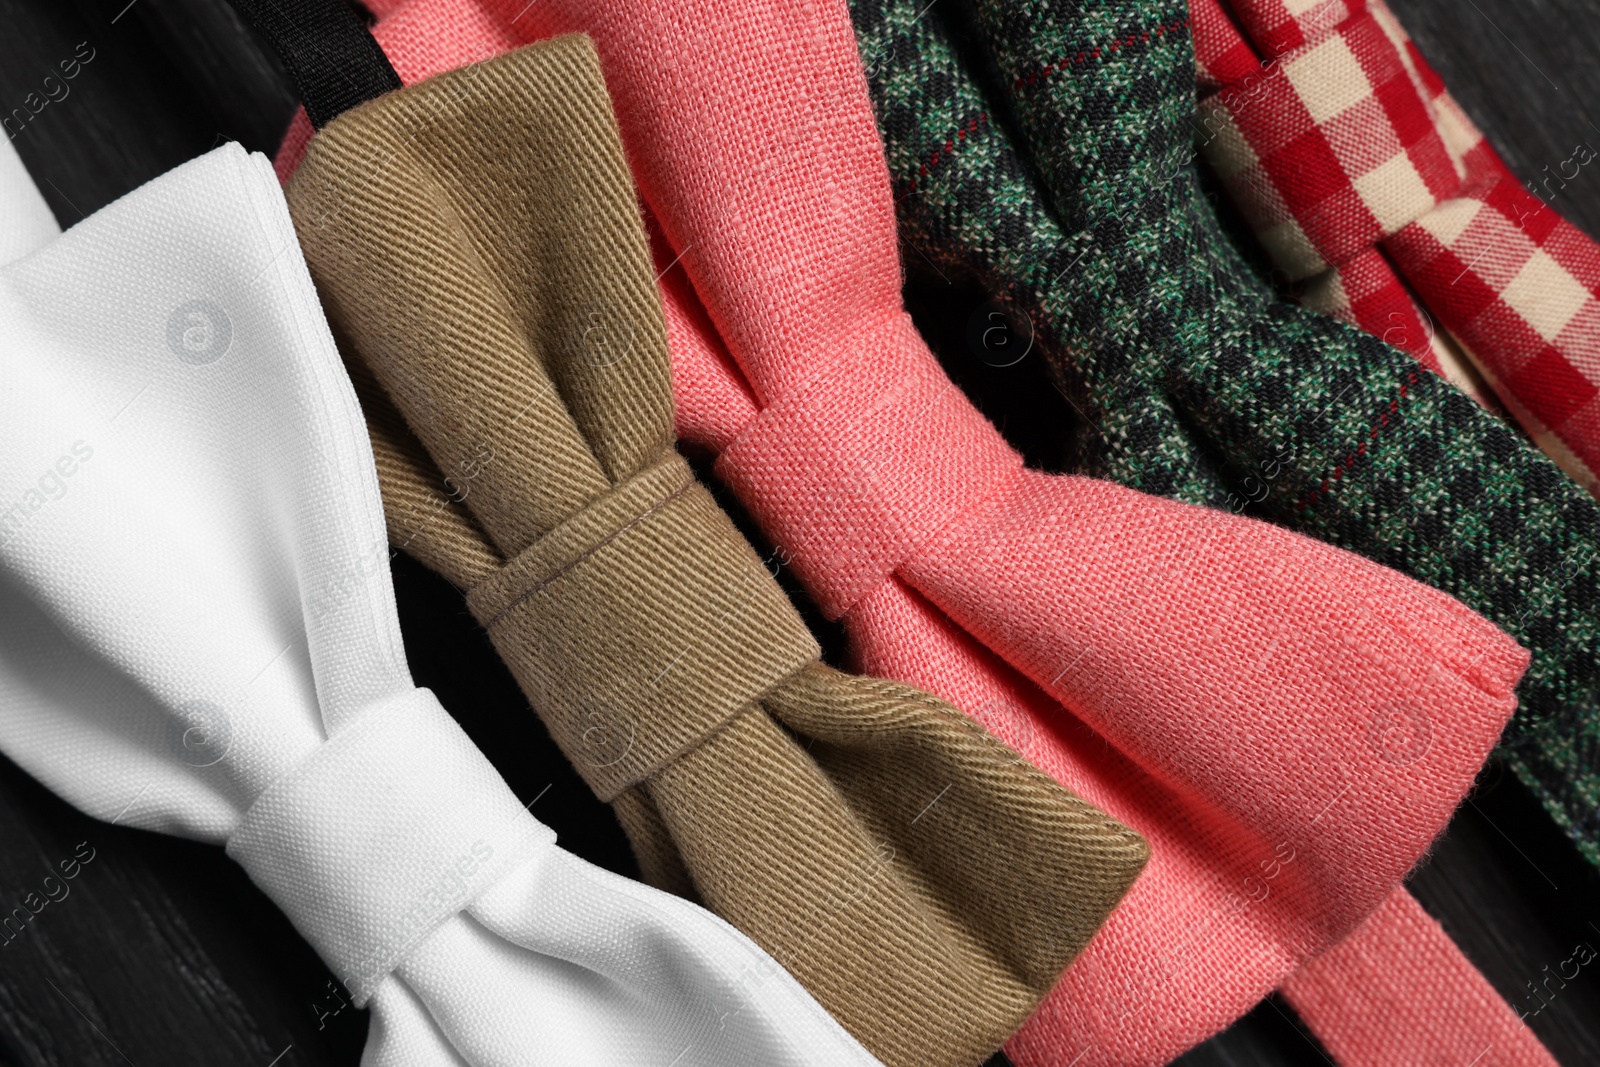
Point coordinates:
[[670, 595], [490, 282]]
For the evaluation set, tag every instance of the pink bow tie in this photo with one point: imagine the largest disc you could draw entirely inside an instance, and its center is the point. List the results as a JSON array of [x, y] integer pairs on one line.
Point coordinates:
[[1287, 723], [1357, 169]]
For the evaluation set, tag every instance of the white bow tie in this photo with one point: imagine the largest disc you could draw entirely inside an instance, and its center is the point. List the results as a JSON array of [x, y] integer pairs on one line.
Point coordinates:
[[198, 636]]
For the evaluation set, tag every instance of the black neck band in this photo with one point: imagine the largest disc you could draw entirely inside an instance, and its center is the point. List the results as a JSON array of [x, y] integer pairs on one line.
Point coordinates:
[[332, 58]]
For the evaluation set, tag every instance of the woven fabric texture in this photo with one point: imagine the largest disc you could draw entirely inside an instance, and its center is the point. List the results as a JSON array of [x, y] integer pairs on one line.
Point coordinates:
[[333, 60], [492, 276], [1399, 993], [180, 401], [1338, 142], [1288, 724], [1194, 381], [29, 223]]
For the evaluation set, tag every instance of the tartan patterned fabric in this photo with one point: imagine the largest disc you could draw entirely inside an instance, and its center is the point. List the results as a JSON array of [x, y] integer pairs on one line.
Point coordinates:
[[1331, 150], [1191, 378], [1342, 141]]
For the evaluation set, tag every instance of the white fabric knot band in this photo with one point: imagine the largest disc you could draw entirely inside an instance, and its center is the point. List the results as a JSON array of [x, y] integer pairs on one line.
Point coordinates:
[[258, 694], [391, 827]]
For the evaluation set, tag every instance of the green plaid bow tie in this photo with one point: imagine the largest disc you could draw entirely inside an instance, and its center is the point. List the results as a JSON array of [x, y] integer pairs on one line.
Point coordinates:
[[1049, 159]]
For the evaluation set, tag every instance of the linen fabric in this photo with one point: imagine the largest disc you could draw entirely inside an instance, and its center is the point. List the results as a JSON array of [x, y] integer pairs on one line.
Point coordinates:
[[1357, 154], [1286, 723], [491, 274], [198, 636], [1193, 380], [1148, 318]]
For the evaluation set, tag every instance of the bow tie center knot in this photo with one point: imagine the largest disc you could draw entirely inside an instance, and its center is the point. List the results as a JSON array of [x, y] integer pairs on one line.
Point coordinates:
[[391, 827], [641, 625]]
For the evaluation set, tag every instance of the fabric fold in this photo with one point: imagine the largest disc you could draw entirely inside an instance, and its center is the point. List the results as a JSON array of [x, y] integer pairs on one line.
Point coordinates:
[[198, 636], [1364, 180], [1191, 377], [1288, 724], [29, 223], [491, 279], [1173, 354]]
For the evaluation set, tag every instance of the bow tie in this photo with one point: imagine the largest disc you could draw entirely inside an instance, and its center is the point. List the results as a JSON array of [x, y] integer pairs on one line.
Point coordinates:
[[1428, 206], [198, 637], [1286, 723], [1197, 383], [1142, 309], [922, 880], [1361, 177]]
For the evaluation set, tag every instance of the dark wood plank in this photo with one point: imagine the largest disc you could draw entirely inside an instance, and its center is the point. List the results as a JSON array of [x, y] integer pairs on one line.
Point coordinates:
[[1525, 72]]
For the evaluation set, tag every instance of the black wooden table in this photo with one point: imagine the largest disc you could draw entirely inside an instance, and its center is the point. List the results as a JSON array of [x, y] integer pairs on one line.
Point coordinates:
[[162, 952]]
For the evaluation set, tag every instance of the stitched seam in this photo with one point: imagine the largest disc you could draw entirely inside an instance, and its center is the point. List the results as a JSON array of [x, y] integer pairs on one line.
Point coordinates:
[[597, 547]]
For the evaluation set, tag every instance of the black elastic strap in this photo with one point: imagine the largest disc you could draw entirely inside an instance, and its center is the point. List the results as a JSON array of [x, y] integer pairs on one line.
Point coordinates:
[[332, 58]]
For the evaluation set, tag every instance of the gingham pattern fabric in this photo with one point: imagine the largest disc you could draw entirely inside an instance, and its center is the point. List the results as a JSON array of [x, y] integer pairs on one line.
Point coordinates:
[[1331, 149], [1190, 378], [1364, 289], [1335, 140]]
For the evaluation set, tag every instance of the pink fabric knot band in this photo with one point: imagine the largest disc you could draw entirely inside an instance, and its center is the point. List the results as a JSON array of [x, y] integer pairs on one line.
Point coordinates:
[[866, 462]]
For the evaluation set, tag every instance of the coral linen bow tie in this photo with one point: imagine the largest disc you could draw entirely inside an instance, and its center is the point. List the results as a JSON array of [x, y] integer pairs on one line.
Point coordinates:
[[925, 883], [1366, 183], [1362, 177], [1178, 356], [1288, 724], [198, 636], [1197, 382], [28, 221]]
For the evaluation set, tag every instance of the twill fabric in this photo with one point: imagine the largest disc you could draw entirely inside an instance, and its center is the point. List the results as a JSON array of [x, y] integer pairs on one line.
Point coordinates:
[[1157, 328], [1365, 181], [493, 277], [1288, 724], [1192, 379], [1079, 621], [198, 636]]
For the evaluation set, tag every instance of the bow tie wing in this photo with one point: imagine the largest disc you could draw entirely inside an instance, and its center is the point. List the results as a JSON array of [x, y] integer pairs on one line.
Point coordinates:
[[867, 467], [200, 637], [422, 507], [642, 626], [1330, 431], [112, 345], [781, 221]]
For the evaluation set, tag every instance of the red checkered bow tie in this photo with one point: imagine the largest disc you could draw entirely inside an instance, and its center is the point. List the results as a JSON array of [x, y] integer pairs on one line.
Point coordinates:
[[1368, 186]]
